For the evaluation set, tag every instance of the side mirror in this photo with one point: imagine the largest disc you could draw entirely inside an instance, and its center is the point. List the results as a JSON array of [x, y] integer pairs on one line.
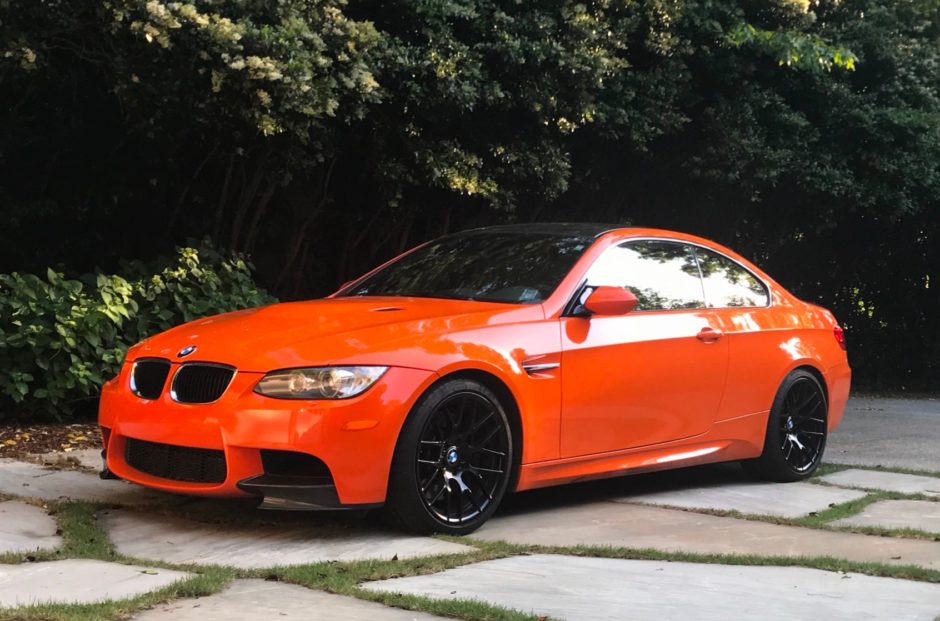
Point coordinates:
[[610, 301]]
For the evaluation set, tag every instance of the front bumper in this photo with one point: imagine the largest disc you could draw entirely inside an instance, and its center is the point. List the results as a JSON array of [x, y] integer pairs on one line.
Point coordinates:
[[355, 438]]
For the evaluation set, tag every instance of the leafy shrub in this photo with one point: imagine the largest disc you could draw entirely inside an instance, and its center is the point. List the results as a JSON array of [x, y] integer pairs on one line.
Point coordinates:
[[60, 339]]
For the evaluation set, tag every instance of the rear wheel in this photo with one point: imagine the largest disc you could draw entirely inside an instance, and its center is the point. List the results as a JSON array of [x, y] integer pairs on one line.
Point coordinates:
[[796, 431], [453, 461]]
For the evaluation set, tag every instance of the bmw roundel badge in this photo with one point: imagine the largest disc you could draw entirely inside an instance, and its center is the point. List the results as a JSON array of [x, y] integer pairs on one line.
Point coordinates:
[[186, 351]]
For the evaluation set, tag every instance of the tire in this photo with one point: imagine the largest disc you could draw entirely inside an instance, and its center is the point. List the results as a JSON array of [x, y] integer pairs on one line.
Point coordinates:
[[796, 431], [453, 461]]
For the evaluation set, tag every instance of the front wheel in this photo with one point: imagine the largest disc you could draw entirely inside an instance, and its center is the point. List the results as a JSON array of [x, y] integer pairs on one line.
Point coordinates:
[[453, 461], [796, 431]]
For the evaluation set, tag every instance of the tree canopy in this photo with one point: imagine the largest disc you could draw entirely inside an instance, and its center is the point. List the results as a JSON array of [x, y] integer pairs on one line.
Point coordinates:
[[323, 136]]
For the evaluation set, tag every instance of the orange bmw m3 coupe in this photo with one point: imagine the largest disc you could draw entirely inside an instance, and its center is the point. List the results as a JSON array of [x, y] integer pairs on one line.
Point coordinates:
[[497, 359]]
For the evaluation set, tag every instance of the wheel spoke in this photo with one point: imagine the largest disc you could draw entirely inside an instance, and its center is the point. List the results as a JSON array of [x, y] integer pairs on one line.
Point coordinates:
[[482, 469], [430, 479], [474, 502], [491, 435], [437, 496], [480, 424], [812, 397]]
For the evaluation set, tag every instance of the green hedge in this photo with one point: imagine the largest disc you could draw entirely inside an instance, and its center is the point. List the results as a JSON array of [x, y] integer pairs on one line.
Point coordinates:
[[60, 339]]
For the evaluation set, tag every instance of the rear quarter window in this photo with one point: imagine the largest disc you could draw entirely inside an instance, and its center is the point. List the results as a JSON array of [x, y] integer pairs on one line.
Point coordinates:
[[727, 284]]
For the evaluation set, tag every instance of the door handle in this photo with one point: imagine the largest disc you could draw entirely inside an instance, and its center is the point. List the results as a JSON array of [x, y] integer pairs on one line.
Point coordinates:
[[708, 335]]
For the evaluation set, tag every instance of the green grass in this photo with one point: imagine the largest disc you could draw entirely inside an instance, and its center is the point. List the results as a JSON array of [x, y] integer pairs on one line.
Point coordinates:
[[853, 507], [83, 537], [823, 520], [209, 581], [828, 563], [825, 469], [345, 578]]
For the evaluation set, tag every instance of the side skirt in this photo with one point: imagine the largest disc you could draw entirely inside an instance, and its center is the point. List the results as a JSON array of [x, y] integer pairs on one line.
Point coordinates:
[[727, 440]]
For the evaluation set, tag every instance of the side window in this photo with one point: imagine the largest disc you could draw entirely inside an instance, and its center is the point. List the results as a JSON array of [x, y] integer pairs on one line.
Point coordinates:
[[727, 284], [663, 275]]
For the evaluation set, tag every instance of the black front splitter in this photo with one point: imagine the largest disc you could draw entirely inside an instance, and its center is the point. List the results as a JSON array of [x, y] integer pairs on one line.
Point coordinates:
[[294, 493]]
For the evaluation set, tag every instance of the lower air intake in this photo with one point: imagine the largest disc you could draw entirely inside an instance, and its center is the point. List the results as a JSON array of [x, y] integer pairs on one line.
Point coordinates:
[[176, 463]]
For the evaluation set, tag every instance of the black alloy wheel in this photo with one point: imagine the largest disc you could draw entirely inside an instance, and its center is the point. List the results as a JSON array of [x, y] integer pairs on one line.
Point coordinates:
[[453, 462], [796, 430]]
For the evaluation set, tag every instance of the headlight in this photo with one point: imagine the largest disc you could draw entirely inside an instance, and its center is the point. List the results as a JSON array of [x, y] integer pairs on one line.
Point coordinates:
[[319, 382]]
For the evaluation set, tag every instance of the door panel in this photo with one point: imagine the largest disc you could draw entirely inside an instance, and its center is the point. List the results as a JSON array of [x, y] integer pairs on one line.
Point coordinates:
[[653, 375], [636, 380]]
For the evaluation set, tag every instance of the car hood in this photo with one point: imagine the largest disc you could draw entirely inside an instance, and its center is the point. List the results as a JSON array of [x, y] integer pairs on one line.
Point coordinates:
[[317, 332]]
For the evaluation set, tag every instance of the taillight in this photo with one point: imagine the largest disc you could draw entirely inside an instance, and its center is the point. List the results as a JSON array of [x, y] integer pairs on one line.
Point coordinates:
[[839, 333]]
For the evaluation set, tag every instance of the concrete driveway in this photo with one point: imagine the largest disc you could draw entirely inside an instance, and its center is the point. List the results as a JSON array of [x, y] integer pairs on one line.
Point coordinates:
[[900, 433]]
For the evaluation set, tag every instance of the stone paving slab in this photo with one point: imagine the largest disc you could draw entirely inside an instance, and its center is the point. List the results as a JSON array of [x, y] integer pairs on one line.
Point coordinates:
[[78, 581], [669, 530], [250, 600], [598, 589], [89, 459], [18, 478], [778, 499], [887, 481], [920, 514], [178, 540], [25, 528]]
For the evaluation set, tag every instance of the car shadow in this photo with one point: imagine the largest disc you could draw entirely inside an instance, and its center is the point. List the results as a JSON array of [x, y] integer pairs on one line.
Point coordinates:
[[622, 487], [246, 512]]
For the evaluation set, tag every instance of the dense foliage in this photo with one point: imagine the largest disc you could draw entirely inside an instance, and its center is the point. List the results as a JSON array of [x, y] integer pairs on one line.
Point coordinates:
[[322, 136], [60, 339]]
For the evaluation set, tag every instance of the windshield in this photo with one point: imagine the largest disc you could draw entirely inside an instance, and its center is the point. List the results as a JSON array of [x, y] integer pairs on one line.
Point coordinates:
[[497, 266]]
